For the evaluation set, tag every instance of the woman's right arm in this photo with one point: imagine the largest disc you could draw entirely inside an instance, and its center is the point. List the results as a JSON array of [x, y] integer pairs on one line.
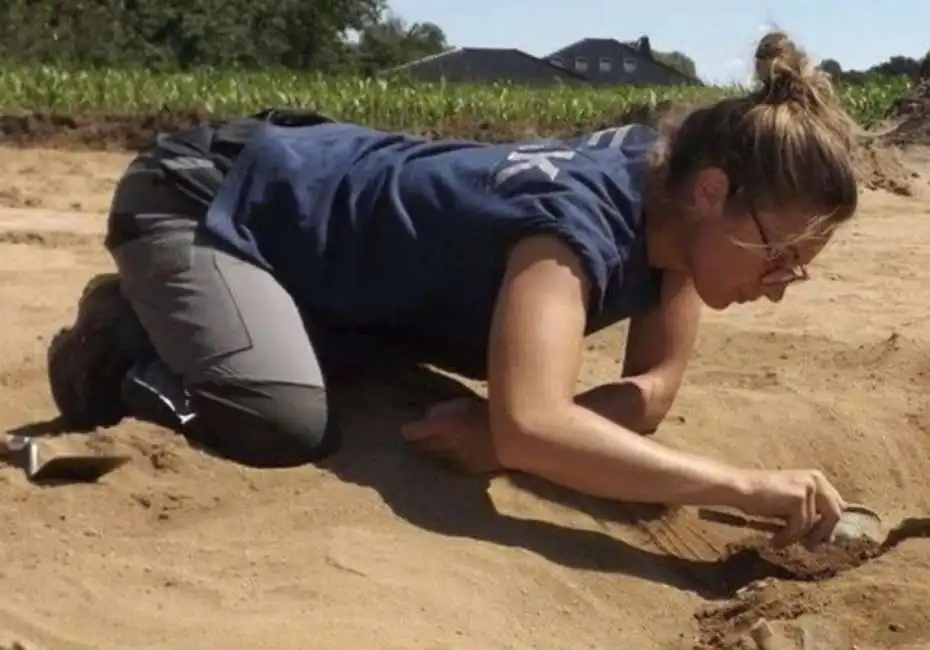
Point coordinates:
[[535, 354]]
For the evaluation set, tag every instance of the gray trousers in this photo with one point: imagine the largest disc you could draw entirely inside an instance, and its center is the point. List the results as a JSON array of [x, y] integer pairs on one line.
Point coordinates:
[[226, 327]]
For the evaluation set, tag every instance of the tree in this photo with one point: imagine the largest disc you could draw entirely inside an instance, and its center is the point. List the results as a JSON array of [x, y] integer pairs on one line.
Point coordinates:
[[678, 60], [832, 67], [316, 32], [181, 34], [897, 65], [392, 42], [923, 74]]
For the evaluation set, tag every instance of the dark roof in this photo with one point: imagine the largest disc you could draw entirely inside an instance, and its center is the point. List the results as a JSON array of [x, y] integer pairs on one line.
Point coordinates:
[[633, 47], [489, 50]]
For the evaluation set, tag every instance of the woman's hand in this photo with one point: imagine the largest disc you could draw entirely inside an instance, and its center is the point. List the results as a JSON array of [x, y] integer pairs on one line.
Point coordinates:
[[457, 432], [804, 499]]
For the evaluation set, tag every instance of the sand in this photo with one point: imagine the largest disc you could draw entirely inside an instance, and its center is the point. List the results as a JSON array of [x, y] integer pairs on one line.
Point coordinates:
[[382, 548]]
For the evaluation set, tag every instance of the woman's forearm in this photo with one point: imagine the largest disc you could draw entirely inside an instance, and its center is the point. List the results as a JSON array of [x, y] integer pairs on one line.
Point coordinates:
[[581, 450]]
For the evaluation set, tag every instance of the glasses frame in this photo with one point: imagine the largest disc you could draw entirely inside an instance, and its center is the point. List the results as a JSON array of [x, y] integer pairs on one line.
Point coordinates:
[[783, 273]]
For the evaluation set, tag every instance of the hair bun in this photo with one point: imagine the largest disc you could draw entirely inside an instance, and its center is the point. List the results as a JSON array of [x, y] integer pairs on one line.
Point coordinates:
[[784, 70]]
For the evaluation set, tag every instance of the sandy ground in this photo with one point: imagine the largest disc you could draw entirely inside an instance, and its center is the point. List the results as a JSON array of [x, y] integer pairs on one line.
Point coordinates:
[[383, 549]]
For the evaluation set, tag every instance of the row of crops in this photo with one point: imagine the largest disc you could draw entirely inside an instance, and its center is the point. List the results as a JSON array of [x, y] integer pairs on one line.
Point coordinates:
[[385, 103]]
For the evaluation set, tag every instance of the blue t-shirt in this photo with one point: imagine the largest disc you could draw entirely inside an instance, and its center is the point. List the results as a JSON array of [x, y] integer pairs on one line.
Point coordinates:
[[406, 239]]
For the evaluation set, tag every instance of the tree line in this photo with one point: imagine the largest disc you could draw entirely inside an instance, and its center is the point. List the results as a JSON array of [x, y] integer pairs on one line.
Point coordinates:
[[327, 36], [895, 66]]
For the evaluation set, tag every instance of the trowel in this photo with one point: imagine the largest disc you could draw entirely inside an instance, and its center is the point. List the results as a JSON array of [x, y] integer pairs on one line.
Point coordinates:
[[24, 452], [857, 522]]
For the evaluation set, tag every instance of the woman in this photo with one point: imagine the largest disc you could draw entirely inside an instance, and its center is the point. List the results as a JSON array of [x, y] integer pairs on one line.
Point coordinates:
[[335, 241]]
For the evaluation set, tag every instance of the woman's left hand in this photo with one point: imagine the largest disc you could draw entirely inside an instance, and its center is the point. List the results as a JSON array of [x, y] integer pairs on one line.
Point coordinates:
[[458, 433]]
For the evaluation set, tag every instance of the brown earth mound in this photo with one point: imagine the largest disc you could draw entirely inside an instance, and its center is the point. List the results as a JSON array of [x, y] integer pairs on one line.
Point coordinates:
[[911, 113], [913, 103], [880, 168]]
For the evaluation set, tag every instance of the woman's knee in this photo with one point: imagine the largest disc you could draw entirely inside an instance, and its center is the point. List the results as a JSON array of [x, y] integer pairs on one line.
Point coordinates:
[[264, 424]]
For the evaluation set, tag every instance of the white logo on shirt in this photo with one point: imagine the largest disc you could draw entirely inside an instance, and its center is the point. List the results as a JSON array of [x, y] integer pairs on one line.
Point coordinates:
[[609, 138], [532, 157]]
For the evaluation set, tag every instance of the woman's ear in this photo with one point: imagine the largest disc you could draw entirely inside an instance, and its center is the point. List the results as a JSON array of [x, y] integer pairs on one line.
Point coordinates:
[[710, 190]]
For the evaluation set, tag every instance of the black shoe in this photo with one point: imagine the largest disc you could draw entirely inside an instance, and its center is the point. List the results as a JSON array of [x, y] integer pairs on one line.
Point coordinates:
[[151, 392], [88, 361]]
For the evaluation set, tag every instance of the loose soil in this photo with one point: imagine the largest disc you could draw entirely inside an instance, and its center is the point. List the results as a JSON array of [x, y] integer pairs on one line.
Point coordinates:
[[780, 585], [382, 548]]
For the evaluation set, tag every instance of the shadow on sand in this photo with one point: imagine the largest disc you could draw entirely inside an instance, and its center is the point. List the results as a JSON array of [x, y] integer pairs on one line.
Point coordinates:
[[428, 495], [375, 404]]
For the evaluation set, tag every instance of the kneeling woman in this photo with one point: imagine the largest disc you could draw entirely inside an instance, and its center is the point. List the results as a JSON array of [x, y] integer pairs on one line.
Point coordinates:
[[490, 260]]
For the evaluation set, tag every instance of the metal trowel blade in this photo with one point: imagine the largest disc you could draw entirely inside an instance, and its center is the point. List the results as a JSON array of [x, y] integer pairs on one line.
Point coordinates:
[[78, 469], [858, 522]]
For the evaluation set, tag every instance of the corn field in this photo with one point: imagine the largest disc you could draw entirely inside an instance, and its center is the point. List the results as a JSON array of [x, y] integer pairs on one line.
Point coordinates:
[[395, 104]]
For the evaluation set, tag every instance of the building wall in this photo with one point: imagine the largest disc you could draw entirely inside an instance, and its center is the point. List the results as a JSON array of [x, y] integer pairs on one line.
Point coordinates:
[[610, 62]]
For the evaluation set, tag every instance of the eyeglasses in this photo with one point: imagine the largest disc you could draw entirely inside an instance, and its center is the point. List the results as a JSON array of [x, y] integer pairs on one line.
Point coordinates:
[[782, 273]]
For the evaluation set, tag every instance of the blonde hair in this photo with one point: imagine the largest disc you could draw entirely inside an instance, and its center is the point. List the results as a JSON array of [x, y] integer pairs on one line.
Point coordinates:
[[787, 145]]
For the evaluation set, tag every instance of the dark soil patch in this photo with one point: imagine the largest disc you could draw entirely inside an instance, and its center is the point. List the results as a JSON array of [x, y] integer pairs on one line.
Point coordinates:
[[754, 573], [755, 559], [765, 583], [95, 132], [137, 132]]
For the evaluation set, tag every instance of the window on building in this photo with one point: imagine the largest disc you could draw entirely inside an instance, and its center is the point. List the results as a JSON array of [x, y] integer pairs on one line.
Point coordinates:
[[557, 60], [581, 63], [629, 64], [604, 64]]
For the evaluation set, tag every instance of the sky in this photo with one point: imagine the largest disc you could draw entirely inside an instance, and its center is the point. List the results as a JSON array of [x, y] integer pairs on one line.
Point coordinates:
[[719, 35]]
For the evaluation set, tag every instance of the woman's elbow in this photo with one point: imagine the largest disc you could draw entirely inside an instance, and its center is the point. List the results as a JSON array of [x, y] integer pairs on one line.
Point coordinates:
[[517, 432], [659, 401]]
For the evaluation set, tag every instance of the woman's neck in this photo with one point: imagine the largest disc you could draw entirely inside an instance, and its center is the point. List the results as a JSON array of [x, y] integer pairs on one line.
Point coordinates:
[[665, 225]]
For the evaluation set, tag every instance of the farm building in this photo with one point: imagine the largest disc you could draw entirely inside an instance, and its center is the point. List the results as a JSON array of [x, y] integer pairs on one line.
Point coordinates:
[[609, 61], [487, 65], [588, 61]]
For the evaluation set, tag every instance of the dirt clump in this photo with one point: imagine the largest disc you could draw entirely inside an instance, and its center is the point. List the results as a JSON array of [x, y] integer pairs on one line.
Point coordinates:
[[726, 626], [769, 583], [754, 559]]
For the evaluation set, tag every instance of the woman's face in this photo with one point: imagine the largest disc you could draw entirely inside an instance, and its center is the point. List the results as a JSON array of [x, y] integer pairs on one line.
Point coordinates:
[[739, 258]]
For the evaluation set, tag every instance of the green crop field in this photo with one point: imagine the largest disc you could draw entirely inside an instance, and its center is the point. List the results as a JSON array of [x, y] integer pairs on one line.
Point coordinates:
[[387, 104]]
